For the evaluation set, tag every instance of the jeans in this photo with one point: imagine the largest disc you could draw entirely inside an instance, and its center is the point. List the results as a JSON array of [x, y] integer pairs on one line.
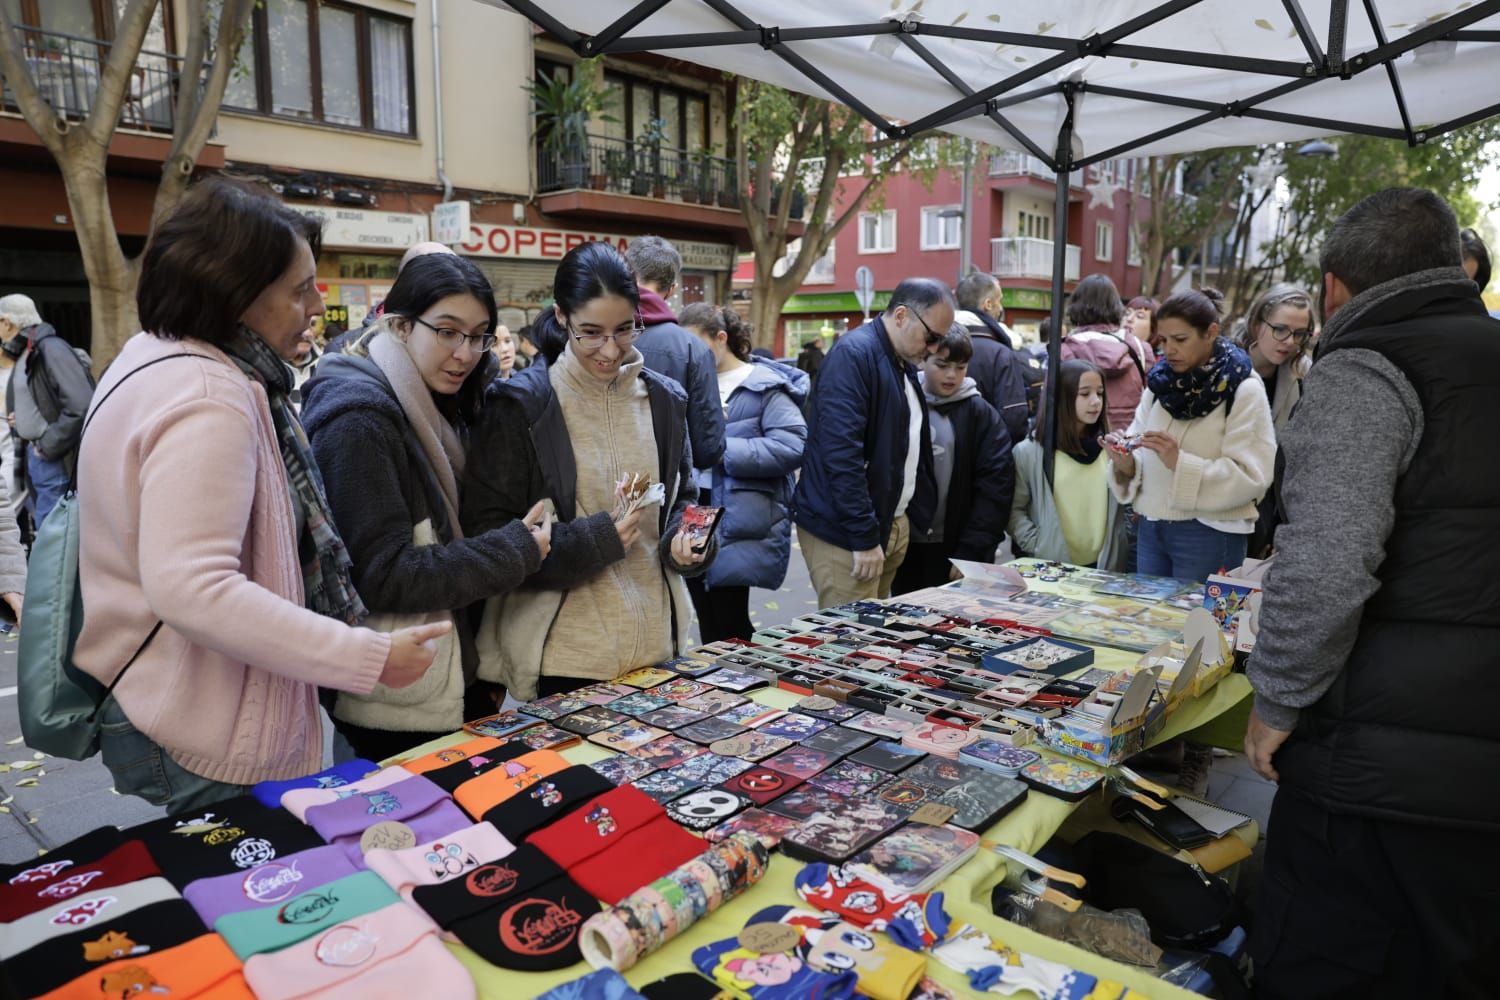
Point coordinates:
[[1188, 550], [141, 767], [49, 481]]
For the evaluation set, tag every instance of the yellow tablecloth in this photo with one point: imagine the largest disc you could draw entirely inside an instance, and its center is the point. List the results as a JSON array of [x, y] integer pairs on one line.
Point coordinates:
[[966, 892]]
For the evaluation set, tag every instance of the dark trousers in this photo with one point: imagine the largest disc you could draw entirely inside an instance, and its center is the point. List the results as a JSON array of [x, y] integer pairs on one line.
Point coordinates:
[[926, 565], [480, 700], [1357, 907], [723, 612]]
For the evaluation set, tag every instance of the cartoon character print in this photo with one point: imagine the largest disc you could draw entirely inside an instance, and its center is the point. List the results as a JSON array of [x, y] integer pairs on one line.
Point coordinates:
[[328, 781], [111, 946], [520, 774], [600, 819], [744, 969], [448, 860], [547, 794], [862, 902], [130, 981], [382, 803]]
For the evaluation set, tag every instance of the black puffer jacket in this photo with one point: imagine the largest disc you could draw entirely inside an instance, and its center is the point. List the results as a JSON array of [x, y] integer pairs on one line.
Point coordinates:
[[380, 487]]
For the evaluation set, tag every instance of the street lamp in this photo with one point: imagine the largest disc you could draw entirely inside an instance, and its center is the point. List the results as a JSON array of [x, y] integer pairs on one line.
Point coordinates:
[[965, 213], [1318, 150]]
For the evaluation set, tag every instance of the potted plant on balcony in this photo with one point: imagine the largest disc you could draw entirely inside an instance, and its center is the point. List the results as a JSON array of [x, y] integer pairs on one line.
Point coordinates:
[[562, 109], [617, 166], [648, 173], [729, 194], [689, 174]]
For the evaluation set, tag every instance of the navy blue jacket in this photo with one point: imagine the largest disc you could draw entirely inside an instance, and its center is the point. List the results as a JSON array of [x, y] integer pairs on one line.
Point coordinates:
[[857, 432], [1004, 375], [764, 435], [683, 357]]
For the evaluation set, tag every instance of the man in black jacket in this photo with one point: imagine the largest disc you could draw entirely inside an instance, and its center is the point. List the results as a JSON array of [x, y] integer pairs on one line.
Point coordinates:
[[49, 394], [972, 464], [1006, 377], [671, 351], [1374, 668]]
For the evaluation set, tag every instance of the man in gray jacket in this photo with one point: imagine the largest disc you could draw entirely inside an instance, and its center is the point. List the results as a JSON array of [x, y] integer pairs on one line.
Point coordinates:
[[49, 394], [670, 350], [1375, 667]]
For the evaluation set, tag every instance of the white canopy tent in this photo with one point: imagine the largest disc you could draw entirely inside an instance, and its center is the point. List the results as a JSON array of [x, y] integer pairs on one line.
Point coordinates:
[[1076, 83]]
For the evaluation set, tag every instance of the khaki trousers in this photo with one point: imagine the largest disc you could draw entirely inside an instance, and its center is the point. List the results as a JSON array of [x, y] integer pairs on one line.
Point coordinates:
[[831, 567]]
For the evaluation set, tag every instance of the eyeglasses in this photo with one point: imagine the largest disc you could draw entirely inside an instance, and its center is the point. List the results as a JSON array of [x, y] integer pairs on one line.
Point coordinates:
[[933, 337], [1283, 333], [451, 338], [622, 338]]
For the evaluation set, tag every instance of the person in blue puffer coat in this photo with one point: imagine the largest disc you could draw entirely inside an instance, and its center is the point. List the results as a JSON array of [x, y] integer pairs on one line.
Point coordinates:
[[763, 438]]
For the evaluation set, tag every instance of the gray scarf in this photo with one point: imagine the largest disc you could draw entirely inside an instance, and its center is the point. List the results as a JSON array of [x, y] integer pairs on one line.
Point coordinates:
[[439, 441]]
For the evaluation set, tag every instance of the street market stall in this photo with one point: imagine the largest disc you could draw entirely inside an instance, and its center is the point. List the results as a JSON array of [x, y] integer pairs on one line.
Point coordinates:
[[744, 783]]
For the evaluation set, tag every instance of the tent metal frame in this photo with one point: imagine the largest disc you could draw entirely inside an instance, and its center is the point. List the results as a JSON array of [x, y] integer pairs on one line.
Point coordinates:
[[1322, 63]]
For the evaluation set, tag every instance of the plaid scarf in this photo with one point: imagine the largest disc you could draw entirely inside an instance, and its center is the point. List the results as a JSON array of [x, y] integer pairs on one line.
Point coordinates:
[[1197, 393], [325, 562]]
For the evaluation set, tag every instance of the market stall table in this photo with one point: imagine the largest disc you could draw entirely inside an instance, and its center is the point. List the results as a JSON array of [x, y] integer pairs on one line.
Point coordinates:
[[966, 892]]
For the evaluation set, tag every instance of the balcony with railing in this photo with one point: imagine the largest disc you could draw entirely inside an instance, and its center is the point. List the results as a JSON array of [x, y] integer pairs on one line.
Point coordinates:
[[620, 166], [66, 70], [1025, 257], [1010, 164]]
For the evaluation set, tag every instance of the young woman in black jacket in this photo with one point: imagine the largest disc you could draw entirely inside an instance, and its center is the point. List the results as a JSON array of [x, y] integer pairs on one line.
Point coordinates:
[[389, 423]]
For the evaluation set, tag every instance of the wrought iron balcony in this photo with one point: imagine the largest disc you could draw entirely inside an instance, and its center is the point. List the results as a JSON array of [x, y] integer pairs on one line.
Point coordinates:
[[641, 168], [66, 71]]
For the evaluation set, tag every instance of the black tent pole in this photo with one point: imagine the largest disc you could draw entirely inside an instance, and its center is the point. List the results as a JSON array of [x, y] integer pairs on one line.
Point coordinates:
[[1059, 266]]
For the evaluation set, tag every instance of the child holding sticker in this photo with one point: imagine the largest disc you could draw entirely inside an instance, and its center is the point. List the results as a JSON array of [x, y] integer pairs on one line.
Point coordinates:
[[1076, 519], [763, 437]]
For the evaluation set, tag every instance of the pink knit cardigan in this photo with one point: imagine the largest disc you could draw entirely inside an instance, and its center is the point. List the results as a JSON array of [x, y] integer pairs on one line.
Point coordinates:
[[186, 516]]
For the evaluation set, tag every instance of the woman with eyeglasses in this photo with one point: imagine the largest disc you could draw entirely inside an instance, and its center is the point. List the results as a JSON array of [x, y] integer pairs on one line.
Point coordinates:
[[1200, 451], [1276, 333], [610, 597], [389, 421]]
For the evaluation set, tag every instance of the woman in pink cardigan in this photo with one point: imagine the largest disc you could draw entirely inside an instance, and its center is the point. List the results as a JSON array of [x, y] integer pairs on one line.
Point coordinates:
[[200, 507]]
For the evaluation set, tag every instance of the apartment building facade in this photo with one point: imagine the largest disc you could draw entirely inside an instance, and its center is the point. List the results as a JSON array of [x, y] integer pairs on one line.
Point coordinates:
[[369, 113], [917, 230]]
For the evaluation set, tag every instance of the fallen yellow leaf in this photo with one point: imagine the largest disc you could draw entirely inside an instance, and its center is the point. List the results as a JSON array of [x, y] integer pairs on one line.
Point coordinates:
[[11, 743], [25, 765], [27, 783]]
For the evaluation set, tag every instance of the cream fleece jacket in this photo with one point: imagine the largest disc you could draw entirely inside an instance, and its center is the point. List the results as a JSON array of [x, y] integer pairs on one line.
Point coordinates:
[[1225, 464], [622, 617], [185, 515]]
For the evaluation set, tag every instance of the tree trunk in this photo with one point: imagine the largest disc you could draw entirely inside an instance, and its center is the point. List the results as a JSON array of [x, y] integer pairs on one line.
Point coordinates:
[[112, 278]]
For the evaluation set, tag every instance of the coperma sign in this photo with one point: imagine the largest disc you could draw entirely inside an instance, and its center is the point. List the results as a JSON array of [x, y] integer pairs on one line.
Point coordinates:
[[529, 243]]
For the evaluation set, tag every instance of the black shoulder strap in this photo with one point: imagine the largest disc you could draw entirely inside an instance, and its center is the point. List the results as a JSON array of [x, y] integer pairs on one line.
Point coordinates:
[[73, 486]]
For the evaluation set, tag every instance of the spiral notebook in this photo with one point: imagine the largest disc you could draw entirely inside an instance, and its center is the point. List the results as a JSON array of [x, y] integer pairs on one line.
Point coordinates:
[[1215, 819]]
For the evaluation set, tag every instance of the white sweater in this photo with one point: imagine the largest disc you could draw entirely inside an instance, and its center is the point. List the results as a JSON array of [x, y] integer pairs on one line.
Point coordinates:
[[1224, 466]]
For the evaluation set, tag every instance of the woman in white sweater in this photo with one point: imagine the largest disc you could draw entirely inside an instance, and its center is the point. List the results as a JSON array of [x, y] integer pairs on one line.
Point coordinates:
[[1206, 449]]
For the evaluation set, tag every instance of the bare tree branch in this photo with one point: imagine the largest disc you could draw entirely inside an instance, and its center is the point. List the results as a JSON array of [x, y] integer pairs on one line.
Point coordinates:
[[116, 72], [49, 126]]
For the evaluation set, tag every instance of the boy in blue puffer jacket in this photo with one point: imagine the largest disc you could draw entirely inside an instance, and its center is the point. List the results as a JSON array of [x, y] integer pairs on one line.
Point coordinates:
[[763, 438]]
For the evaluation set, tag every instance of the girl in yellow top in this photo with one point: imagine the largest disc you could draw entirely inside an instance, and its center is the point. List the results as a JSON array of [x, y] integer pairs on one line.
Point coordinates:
[[1076, 519]]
